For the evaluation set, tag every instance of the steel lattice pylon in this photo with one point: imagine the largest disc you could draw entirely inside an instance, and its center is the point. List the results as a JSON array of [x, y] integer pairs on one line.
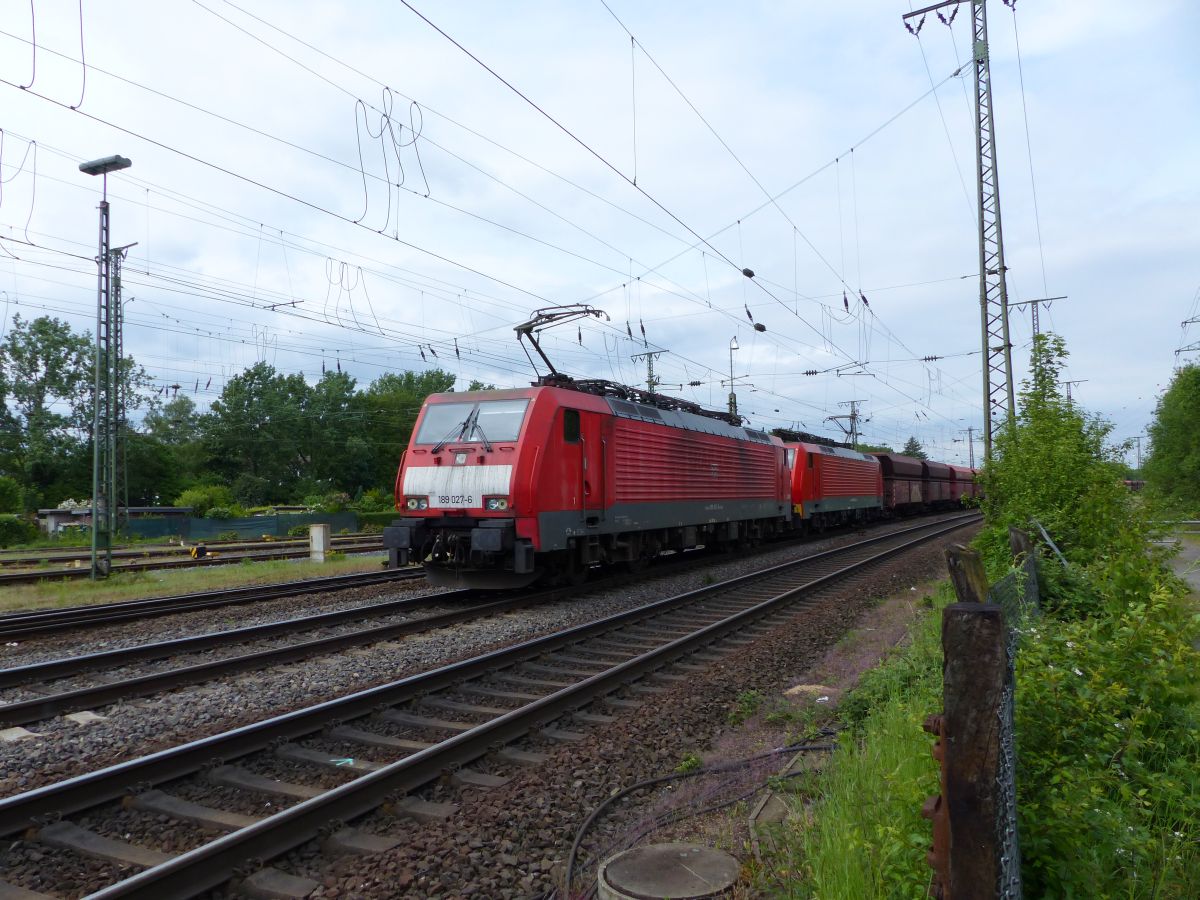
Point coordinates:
[[998, 399], [993, 290]]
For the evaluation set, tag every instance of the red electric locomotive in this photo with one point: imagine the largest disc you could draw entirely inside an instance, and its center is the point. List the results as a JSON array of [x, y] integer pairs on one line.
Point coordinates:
[[833, 485], [500, 487]]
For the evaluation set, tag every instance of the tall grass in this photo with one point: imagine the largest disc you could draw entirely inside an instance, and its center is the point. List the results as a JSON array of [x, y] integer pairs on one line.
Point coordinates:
[[863, 835]]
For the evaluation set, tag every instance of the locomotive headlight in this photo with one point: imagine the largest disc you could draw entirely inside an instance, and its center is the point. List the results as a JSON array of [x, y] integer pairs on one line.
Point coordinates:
[[411, 503], [417, 503], [495, 503]]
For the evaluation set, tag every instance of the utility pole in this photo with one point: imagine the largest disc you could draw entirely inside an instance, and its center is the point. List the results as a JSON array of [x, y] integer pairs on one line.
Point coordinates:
[[1138, 440], [969, 431], [1069, 383], [733, 411], [999, 403], [1033, 306], [652, 382], [852, 431]]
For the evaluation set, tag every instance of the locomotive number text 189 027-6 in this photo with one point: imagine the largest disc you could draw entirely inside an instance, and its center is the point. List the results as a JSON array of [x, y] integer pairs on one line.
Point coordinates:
[[454, 500]]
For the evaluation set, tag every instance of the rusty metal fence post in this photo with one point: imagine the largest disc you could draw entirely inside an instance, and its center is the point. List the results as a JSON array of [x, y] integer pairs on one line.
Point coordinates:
[[976, 852]]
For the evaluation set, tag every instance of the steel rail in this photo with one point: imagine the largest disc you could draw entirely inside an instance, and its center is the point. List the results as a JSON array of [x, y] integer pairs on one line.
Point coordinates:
[[18, 626], [67, 666], [212, 864], [43, 707], [90, 789]]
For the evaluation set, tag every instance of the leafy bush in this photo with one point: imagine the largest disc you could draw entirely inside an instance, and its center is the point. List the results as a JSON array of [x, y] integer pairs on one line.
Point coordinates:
[[1108, 711], [376, 518], [226, 512], [332, 502], [16, 530], [203, 497], [1054, 465], [227, 535], [1173, 468], [298, 531], [1108, 720], [11, 495], [374, 500]]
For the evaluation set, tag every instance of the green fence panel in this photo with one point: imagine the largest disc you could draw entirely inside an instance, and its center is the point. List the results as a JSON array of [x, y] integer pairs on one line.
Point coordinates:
[[249, 527]]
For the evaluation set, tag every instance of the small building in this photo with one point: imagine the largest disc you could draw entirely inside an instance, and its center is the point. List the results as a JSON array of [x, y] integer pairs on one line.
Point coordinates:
[[53, 521]]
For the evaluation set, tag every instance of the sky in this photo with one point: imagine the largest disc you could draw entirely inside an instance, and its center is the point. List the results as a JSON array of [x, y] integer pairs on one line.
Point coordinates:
[[379, 187]]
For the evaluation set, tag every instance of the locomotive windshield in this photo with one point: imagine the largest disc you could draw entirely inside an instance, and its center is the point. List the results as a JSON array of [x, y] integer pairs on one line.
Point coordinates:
[[486, 421]]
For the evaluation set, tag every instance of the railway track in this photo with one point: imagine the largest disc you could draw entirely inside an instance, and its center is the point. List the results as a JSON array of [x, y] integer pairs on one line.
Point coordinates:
[[20, 558], [411, 732], [24, 625], [223, 557]]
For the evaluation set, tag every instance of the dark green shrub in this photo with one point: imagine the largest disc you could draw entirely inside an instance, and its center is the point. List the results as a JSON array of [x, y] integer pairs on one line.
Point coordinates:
[[16, 530], [11, 495]]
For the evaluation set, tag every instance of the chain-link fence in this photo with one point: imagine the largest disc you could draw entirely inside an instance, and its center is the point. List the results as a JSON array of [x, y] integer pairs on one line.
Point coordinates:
[[1017, 596]]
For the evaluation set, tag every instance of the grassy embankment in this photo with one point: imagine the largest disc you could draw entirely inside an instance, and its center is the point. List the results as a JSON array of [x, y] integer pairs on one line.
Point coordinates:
[[165, 582]]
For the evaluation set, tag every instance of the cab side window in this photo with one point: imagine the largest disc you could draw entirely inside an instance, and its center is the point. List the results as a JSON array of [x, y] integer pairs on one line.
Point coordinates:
[[571, 426]]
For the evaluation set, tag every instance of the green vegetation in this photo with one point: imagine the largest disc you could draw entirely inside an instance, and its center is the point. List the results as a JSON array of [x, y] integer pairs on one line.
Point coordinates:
[[867, 837], [168, 582], [1108, 709], [690, 763], [746, 704], [16, 530], [912, 447], [270, 438], [1173, 468]]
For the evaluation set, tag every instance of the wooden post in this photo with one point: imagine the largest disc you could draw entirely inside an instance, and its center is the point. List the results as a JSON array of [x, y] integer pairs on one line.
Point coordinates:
[[966, 572], [973, 672], [1020, 543]]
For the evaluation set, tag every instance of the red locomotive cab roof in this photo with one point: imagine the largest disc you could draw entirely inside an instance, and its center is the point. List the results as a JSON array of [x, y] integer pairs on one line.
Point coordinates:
[[827, 450]]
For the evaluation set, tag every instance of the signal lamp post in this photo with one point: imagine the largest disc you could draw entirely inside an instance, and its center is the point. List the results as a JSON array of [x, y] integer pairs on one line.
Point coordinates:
[[105, 386]]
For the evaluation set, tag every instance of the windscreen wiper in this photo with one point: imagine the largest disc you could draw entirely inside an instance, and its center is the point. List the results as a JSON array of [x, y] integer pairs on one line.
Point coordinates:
[[476, 427], [462, 429]]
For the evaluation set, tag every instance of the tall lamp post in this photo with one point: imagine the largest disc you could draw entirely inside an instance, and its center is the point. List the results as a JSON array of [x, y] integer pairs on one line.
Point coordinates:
[[733, 345], [105, 385]]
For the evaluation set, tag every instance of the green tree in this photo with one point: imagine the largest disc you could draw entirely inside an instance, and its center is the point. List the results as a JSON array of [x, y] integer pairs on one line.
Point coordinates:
[[175, 427], [257, 427], [11, 495], [1173, 468], [1054, 464], [45, 370], [912, 447], [390, 406]]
